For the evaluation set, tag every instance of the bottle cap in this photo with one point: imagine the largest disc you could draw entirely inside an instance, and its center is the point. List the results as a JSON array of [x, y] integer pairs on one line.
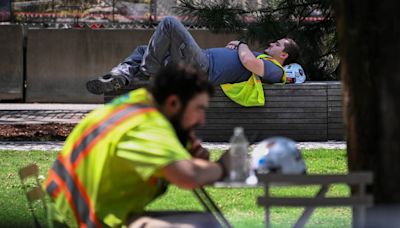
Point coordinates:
[[238, 130]]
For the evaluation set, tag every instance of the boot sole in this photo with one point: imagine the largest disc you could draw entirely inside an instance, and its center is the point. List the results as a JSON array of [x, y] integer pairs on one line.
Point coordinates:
[[95, 87], [98, 87]]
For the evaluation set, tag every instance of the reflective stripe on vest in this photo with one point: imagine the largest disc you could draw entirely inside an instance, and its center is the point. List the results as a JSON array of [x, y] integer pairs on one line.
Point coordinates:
[[62, 175], [76, 196], [53, 188]]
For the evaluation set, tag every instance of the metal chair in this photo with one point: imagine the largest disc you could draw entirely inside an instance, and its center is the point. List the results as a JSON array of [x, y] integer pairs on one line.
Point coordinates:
[[33, 192]]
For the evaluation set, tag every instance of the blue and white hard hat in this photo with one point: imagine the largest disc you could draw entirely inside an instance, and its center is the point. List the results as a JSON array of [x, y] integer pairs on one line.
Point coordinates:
[[277, 155], [294, 73]]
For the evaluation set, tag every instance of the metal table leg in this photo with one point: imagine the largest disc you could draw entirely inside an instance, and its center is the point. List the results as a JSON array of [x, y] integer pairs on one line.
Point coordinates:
[[211, 207]]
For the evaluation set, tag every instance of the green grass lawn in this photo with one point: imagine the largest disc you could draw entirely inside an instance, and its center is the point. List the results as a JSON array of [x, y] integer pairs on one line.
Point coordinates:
[[239, 205]]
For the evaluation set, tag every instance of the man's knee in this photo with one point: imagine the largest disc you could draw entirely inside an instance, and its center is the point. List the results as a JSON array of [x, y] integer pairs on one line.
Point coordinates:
[[169, 22], [170, 19], [148, 222], [181, 219]]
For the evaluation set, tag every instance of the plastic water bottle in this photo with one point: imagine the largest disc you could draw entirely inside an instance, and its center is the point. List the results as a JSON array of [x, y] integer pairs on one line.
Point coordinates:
[[238, 153]]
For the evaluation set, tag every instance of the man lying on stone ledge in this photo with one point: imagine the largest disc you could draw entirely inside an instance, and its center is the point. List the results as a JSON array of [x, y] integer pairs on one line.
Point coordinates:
[[171, 42]]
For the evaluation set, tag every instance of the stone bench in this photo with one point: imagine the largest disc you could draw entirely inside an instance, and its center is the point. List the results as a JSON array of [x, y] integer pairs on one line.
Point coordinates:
[[304, 112]]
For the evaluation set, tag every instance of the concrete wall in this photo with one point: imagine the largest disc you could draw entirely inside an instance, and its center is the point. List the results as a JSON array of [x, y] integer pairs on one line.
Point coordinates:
[[11, 62], [59, 62]]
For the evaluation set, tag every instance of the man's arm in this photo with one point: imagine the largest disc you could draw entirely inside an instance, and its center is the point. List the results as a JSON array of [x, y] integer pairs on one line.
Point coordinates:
[[192, 173], [249, 61]]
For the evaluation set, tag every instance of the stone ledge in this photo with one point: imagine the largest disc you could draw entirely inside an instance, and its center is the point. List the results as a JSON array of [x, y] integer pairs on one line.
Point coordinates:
[[311, 111]]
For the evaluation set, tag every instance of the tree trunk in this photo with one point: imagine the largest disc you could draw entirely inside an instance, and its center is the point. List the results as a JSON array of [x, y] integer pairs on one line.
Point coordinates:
[[369, 42]]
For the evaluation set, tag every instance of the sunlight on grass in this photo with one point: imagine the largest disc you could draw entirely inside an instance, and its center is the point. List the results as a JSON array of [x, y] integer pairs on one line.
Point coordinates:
[[239, 205]]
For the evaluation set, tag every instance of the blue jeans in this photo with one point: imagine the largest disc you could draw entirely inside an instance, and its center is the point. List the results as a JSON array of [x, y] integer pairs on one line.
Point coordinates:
[[173, 41], [130, 66], [170, 43]]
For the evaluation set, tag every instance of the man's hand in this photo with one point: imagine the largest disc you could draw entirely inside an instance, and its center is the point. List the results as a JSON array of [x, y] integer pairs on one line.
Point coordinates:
[[196, 150], [224, 161], [233, 44], [247, 58]]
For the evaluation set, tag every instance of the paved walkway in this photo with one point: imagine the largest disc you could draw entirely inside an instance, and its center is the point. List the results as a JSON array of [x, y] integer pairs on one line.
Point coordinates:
[[72, 113], [43, 113]]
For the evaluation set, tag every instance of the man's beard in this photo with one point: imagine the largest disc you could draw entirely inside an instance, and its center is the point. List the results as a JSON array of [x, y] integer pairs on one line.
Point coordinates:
[[183, 134]]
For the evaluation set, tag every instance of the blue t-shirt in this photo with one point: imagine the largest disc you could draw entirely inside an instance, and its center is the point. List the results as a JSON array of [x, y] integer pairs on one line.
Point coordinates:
[[225, 67]]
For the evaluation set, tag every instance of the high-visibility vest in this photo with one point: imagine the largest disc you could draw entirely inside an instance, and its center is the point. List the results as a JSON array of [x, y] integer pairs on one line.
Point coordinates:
[[91, 149], [250, 92]]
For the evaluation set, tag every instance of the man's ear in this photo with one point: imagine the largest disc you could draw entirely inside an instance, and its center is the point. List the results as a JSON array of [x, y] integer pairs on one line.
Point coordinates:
[[284, 55], [172, 105]]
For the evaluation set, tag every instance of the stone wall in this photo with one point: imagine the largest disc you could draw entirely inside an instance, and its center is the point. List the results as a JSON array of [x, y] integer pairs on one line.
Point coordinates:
[[60, 61], [11, 62]]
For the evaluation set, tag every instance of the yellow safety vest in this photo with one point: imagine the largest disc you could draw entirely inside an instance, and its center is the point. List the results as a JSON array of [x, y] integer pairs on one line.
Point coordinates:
[[109, 166], [250, 93]]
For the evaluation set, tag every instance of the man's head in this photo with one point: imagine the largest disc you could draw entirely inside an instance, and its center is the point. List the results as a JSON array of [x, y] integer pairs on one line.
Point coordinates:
[[182, 94], [285, 51]]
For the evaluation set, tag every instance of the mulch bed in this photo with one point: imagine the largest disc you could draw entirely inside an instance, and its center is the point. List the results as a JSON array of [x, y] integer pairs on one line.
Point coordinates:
[[35, 132]]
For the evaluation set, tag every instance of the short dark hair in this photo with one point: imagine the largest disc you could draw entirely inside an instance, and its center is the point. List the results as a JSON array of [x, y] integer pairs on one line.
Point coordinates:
[[293, 51], [184, 80]]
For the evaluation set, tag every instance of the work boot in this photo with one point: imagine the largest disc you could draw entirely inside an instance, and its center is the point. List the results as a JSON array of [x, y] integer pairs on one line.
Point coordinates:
[[139, 80], [141, 76], [106, 83]]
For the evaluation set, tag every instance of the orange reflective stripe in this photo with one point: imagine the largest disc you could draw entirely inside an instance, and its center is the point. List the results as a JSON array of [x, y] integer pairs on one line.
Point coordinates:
[[76, 195], [94, 126], [64, 175], [53, 184], [62, 185], [90, 139]]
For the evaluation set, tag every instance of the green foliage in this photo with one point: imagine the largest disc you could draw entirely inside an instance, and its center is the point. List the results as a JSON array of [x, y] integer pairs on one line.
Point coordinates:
[[280, 18], [217, 15]]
